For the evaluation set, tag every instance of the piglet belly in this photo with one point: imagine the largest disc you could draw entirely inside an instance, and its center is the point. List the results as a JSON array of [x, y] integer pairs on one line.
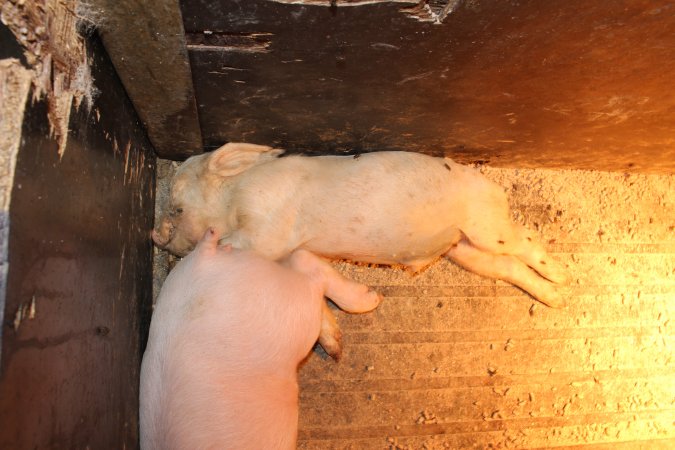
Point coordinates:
[[416, 235]]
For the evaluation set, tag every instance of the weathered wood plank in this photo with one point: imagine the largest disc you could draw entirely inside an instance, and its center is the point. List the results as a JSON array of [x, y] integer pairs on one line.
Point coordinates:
[[519, 83], [146, 43], [78, 292]]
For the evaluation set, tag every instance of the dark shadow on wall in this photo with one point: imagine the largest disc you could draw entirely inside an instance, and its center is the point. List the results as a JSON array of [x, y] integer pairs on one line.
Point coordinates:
[[79, 285]]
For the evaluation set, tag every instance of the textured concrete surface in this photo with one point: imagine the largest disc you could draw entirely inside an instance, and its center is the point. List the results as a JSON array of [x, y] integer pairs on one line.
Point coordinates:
[[453, 360]]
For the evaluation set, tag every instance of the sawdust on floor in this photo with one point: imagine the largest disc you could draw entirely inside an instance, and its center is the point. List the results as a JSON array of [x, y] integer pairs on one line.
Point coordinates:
[[454, 360]]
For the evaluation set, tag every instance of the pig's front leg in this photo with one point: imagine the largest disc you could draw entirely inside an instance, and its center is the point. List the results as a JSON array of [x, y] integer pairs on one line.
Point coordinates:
[[350, 296], [237, 239], [263, 244]]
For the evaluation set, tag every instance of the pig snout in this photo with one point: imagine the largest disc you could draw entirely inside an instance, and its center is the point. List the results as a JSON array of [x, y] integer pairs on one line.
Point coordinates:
[[178, 233], [158, 239], [162, 234]]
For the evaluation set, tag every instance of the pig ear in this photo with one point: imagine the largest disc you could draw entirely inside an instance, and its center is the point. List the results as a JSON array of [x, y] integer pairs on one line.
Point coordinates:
[[234, 158]]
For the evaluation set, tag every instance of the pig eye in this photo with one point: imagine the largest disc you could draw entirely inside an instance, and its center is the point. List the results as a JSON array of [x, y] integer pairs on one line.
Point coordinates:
[[179, 210]]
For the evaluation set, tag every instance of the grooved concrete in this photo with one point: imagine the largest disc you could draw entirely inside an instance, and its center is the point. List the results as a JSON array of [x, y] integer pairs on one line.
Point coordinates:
[[453, 360]]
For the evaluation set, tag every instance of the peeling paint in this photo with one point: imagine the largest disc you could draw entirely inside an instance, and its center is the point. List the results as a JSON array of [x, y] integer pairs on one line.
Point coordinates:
[[64, 251], [18, 318]]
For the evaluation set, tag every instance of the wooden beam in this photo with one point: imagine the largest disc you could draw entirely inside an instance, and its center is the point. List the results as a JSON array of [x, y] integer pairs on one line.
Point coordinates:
[[516, 84], [146, 43]]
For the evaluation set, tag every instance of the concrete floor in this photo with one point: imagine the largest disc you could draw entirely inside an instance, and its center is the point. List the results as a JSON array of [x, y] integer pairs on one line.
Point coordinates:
[[453, 360]]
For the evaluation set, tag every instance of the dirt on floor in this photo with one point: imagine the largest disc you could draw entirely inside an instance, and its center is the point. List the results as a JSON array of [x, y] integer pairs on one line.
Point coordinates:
[[454, 360]]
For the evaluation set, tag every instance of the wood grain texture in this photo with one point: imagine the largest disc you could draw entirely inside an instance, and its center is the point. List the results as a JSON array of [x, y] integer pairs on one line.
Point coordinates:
[[566, 84], [146, 44], [79, 288]]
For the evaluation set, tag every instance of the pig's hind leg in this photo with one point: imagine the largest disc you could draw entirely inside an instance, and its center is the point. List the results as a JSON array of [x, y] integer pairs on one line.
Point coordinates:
[[330, 336], [508, 238], [505, 267], [489, 228], [348, 295], [528, 250]]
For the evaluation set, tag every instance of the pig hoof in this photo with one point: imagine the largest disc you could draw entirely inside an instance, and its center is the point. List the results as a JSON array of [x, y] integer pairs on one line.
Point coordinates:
[[553, 300], [380, 298], [558, 276], [158, 239], [333, 350], [332, 345], [375, 298], [336, 354], [563, 277]]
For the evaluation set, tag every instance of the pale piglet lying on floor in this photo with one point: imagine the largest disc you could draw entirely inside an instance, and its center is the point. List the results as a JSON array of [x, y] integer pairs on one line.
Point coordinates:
[[386, 207], [228, 332]]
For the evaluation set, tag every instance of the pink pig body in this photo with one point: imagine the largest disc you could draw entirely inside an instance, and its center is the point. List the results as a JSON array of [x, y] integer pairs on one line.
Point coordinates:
[[228, 332]]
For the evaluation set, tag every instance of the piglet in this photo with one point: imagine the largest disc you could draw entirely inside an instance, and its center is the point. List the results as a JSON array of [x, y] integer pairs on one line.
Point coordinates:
[[228, 332], [384, 208]]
